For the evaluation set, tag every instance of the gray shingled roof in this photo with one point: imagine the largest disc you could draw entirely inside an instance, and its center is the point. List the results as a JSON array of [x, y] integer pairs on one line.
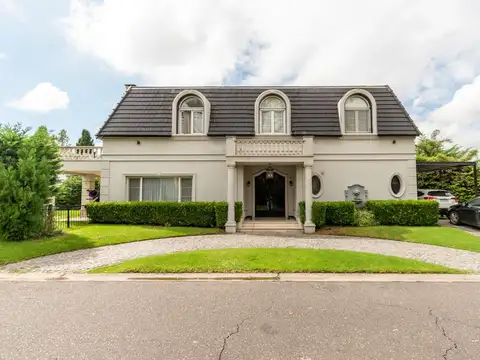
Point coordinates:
[[147, 111]]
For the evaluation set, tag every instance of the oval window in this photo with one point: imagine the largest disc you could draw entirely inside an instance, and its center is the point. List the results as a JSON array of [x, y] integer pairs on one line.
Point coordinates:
[[316, 185], [396, 184]]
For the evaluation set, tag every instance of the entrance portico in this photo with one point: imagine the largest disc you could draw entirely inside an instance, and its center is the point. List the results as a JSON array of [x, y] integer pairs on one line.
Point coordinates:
[[270, 177]]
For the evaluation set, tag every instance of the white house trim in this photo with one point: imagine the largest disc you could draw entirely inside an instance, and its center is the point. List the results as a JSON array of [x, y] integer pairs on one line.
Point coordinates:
[[258, 173], [175, 111], [373, 111], [288, 111], [402, 185]]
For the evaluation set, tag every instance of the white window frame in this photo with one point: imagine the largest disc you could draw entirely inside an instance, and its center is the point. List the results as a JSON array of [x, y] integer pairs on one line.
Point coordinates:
[[286, 113], [316, 196], [402, 185], [176, 112], [177, 177], [191, 110], [373, 112], [356, 110], [272, 112]]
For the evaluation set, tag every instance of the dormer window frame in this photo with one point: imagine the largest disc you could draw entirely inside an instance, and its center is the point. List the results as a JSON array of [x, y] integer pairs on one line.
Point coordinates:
[[286, 113], [366, 96], [176, 111]]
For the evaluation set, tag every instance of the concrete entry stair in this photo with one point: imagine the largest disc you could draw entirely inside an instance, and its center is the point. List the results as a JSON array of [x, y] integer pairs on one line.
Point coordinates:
[[271, 225]]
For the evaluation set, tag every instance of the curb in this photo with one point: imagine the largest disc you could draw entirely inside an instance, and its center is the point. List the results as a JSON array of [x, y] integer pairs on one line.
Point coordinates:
[[283, 277]]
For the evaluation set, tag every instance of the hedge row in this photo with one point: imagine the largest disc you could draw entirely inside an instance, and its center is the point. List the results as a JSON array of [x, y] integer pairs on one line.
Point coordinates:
[[404, 212], [386, 212], [330, 213], [199, 214]]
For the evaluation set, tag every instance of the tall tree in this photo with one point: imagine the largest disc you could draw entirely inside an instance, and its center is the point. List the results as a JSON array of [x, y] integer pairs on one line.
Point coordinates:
[[28, 172], [85, 139], [63, 138]]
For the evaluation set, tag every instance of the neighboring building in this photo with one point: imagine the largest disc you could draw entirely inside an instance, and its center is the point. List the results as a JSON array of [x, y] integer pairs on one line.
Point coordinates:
[[267, 147]]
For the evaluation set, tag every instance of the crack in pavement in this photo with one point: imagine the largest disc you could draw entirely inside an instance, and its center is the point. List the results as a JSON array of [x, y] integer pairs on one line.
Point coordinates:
[[454, 345], [237, 330]]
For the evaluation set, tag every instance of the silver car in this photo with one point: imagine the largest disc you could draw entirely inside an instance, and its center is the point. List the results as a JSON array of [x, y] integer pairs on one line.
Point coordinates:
[[444, 198]]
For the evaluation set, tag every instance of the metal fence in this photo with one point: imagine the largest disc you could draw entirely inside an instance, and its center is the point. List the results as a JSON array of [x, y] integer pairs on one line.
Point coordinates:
[[70, 216]]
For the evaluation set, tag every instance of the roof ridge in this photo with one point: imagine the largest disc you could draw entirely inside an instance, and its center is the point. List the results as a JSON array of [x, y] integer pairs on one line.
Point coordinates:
[[259, 86]]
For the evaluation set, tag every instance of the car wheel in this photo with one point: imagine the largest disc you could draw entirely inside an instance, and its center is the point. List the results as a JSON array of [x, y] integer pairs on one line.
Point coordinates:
[[454, 218]]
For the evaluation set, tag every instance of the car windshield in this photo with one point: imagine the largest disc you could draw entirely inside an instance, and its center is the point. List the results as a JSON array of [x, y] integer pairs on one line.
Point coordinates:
[[439, 193], [475, 202]]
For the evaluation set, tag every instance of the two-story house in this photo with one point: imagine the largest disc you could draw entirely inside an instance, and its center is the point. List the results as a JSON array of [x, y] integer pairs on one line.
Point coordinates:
[[267, 147]]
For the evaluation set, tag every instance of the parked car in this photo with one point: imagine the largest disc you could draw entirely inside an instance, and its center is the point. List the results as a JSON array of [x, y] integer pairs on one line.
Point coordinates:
[[445, 198], [466, 213]]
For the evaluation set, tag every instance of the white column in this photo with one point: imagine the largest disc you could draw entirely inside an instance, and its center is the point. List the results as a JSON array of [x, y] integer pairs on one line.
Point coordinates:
[[88, 183], [309, 226], [298, 190], [231, 225], [240, 188]]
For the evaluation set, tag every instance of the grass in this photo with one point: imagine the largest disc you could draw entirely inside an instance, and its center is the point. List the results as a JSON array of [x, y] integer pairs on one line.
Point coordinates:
[[90, 236], [273, 260], [432, 235]]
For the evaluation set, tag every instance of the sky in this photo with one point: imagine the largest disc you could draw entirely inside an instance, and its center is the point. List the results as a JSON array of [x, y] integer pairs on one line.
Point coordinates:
[[64, 63]]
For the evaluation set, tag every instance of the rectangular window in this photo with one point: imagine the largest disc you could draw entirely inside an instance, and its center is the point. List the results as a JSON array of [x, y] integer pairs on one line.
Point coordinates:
[[266, 122], [363, 121], [349, 121], [197, 122], [279, 122], [134, 189], [160, 189], [185, 119]]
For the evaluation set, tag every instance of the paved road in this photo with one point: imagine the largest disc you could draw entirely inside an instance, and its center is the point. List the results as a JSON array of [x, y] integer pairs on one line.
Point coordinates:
[[239, 320]]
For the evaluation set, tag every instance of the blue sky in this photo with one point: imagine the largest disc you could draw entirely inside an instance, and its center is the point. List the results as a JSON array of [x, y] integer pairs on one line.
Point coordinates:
[[36, 51], [78, 54]]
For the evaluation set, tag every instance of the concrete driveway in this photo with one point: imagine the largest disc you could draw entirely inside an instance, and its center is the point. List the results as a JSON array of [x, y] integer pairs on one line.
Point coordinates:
[[470, 229], [229, 320]]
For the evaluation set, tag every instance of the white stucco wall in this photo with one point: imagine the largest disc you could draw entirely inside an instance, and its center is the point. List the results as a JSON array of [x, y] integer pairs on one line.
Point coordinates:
[[340, 162]]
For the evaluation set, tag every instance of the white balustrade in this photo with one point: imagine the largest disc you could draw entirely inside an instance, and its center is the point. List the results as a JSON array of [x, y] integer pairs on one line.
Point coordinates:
[[81, 152], [269, 147]]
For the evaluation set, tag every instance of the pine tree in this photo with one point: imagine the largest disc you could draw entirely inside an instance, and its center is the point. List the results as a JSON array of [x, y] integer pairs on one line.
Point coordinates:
[[85, 139], [62, 138]]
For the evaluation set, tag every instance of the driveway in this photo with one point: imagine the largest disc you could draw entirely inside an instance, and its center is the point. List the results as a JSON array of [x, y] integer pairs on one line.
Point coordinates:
[[83, 260], [230, 320], [469, 229]]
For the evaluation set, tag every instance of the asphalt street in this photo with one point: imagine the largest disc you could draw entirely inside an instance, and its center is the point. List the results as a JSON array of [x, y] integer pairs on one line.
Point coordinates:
[[239, 320]]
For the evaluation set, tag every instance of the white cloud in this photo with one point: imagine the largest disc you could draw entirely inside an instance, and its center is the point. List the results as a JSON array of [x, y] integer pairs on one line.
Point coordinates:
[[13, 7], [3, 56], [422, 56], [42, 98]]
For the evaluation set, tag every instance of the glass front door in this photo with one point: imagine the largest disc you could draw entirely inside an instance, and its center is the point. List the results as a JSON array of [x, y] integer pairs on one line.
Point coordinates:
[[269, 195]]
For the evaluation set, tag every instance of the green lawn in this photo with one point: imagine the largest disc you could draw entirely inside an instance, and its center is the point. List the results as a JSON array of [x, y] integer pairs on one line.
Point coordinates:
[[90, 236], [273, 260], [434, 235]]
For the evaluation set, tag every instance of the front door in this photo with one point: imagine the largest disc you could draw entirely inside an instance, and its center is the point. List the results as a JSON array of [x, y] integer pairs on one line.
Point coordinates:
[[269, 196]]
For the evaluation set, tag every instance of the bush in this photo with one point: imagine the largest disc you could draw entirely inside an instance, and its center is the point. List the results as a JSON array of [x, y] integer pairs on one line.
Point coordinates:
[[364, 217], [200, 214], [340, 213], [318, 213], [404, 212], [221, 212], [301, 206]]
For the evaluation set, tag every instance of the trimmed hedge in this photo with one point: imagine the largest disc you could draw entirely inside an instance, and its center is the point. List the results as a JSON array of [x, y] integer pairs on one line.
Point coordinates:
[[221, 212], [318, 213], [404, 212], [164, 213], [340, 213]]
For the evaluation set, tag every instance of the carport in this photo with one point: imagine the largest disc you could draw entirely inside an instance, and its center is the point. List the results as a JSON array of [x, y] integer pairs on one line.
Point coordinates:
[[436, 166]]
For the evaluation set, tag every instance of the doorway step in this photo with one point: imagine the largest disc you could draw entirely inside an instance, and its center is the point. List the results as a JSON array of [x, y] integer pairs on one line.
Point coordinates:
[[272, 225]]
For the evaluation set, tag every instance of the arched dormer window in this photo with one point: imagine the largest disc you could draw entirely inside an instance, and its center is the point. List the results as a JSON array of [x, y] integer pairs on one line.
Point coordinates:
[[358, 113], [191, 113], [272, 113]]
